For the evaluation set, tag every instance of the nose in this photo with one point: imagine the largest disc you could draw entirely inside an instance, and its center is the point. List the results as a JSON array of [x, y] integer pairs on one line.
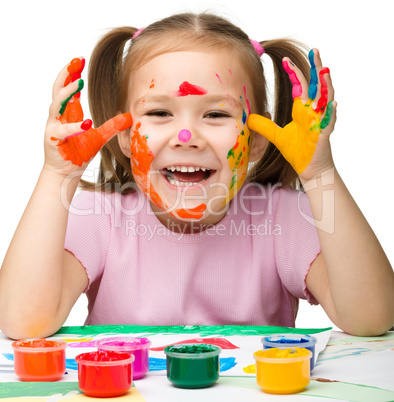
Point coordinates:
[[187, 139]]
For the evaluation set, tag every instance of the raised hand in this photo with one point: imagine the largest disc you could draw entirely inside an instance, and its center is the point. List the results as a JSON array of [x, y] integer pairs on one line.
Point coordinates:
[[74, 140], [304, 142]]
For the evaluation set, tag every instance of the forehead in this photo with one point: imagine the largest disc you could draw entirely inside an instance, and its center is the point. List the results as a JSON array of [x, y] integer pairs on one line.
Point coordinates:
[[211, 70]]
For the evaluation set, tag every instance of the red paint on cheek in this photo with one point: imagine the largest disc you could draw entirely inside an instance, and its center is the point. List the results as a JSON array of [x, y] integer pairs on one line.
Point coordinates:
[[188, 89]]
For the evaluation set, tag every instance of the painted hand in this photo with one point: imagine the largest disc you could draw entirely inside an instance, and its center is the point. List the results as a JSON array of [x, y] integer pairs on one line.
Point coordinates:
[[81, 146], [300, 141]]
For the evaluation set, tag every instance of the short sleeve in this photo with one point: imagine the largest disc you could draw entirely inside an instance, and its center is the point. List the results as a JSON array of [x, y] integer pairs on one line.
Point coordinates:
[[297, 245], [88, 232]]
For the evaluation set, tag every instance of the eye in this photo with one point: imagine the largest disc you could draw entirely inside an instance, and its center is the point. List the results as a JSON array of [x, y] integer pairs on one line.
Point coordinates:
[[159, 113], [216, 115]]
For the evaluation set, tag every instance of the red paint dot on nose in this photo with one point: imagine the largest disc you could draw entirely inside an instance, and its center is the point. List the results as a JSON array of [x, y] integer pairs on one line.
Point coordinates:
[[184, 135]]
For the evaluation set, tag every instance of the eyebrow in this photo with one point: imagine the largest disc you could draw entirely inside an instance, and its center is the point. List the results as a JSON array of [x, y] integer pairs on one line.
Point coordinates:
[[162, 98]]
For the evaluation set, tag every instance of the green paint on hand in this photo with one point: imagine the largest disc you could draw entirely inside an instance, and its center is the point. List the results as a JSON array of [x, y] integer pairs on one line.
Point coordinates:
[[327, 118], [64, 103]]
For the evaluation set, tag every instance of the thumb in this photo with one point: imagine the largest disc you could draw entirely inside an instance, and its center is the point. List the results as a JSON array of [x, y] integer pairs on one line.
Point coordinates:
[[263, 126], [81, 147], [114, 126]]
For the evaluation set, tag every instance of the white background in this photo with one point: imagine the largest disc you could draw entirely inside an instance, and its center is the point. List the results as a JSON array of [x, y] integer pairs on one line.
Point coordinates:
[[355, 39]]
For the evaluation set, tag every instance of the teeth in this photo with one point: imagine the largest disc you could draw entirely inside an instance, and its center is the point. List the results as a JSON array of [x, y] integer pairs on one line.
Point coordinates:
[[180, 183], [186, 168]]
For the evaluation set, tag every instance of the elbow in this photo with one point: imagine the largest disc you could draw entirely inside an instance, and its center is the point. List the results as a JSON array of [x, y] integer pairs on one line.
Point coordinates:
[[17, 328], [372, 326]]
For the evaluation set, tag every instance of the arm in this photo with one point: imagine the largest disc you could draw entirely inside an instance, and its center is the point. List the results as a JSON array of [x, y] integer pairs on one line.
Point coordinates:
[[352, 278], [39, 281]]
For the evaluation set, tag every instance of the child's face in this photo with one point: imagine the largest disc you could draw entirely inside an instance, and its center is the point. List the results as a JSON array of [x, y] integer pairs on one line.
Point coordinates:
[[189, 141]]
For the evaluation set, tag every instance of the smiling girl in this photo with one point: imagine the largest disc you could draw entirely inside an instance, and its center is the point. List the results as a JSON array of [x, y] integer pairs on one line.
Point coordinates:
[[205, 210]]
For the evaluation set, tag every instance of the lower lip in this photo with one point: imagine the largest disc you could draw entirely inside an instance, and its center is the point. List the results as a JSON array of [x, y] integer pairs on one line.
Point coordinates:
[[192, 365], [283, 371], [39, 360], [283, 341], [104, 374], [139, 347]]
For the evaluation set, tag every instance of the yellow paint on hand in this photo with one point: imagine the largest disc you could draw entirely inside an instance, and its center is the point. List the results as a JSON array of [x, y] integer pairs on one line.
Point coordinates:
[[297, 140]]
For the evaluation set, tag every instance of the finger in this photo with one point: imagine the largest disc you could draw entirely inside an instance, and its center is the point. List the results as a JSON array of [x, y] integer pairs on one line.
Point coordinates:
[[330, 116], [115, 125], [63, 131], [60, 96], [263, 126], [322, 103], [330, 88], [313, 83], [69, 73], [297, 79]]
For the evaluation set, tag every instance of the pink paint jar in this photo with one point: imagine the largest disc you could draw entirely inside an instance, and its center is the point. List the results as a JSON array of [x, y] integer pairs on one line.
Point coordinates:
[[139, 347], [104, 374]]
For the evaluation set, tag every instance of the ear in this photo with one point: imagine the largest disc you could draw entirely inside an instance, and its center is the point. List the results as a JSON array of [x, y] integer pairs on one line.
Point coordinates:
[[124, 142], [258, 143]]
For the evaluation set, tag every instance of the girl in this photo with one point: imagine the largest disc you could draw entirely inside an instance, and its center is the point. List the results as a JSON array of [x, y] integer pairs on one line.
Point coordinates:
[[195, 218]]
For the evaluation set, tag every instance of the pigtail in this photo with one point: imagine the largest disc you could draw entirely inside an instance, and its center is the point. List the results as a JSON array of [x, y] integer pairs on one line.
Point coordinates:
[[104, 85], [273, 167]]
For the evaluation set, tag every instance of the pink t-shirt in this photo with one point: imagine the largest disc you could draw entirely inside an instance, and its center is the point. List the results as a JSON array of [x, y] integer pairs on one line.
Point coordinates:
[[249, 269]]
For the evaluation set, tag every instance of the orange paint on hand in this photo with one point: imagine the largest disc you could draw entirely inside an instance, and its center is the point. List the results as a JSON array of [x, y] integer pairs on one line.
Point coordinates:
[[73, 112], [84, 146]]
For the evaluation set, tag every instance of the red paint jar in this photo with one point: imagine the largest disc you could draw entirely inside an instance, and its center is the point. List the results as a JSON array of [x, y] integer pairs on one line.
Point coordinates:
[[39, 359], [105, 373]]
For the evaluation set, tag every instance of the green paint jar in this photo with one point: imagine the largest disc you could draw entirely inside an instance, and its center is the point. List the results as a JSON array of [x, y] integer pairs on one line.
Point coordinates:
[[193, 365]]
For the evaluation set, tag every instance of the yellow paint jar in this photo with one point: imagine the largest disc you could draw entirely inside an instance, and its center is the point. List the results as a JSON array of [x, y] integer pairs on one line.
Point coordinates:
[[283, 371]]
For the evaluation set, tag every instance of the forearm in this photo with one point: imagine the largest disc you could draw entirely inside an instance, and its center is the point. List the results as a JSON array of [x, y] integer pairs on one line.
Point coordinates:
[[360, 278], [31, 275]]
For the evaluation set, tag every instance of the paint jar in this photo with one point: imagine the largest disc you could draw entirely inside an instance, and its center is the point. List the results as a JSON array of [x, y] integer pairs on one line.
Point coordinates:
[[193, 365], [39, 359], [283, 371], [104, 374], [283, 341], [139, 347]]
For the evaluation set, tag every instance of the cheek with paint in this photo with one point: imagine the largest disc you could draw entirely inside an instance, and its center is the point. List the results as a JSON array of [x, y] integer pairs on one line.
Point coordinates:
[[238, 159], [141, 161]]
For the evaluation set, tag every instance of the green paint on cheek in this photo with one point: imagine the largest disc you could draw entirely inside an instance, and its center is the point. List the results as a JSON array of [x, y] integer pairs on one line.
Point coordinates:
[[233, 181], [327, 118], [231, 153]]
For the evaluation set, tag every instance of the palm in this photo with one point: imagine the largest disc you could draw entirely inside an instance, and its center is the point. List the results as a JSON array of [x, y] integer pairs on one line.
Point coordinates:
[[300, 141]]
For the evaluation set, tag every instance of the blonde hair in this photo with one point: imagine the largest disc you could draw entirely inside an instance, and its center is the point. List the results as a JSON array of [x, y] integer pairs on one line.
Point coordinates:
[[112, 62]]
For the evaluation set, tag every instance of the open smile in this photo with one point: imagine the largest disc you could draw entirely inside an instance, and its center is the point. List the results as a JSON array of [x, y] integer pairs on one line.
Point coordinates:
[[186, 176]]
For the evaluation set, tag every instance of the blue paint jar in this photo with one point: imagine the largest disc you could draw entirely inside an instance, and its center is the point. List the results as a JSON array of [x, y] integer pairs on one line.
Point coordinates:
[[283, 341]]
